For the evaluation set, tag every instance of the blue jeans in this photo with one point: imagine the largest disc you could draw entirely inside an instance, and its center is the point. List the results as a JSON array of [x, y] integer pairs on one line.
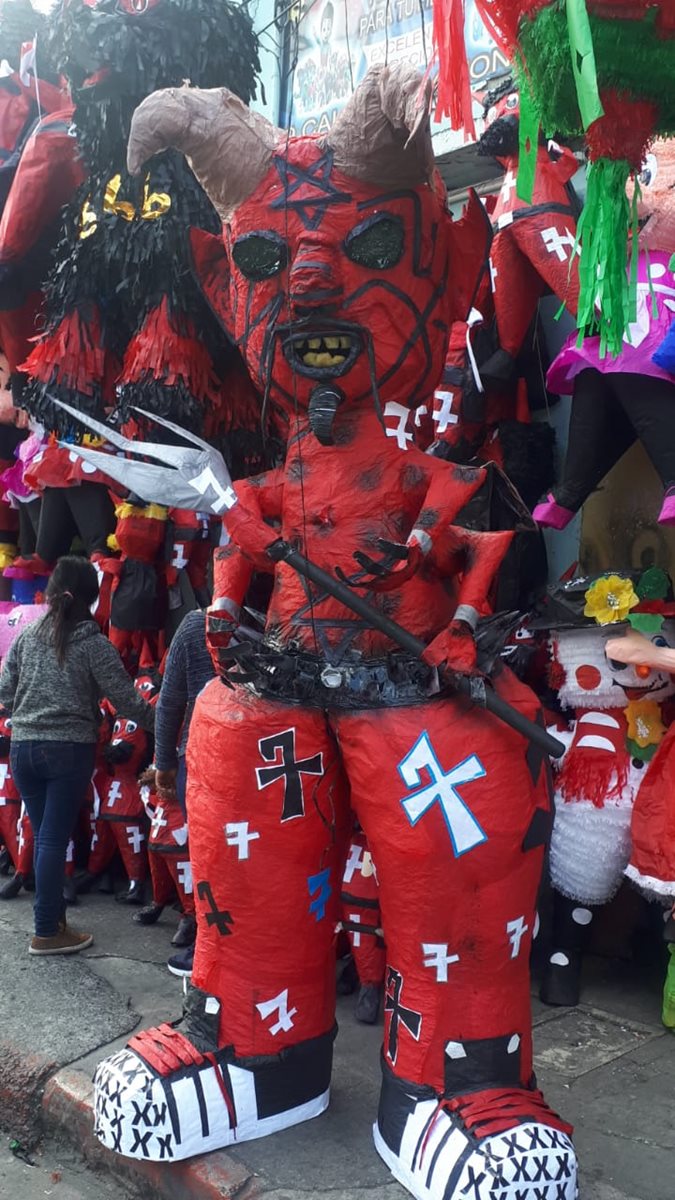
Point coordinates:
[[52, 778]]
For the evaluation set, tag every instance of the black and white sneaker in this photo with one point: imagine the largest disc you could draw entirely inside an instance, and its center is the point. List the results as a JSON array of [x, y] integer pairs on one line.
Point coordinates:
[[499, 1144], [168, 1096]]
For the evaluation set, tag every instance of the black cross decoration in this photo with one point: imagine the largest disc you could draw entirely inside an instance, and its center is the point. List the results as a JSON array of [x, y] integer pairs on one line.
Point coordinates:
[[541, 1164], [116, 1131], [132, 1068], [141, 1142], [564, 1167], [218, 917], [399, 1013], [520, 1171], [142, 1116], [537, 1142], [473, 1187], [286, 767], [164, 1146]]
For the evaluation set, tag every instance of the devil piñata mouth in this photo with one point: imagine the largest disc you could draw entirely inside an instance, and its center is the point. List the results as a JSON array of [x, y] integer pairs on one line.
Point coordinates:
[[321, 354]]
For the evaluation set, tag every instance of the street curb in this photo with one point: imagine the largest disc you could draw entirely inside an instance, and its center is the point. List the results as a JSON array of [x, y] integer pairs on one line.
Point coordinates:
[[22, 1079], [67, 1113]]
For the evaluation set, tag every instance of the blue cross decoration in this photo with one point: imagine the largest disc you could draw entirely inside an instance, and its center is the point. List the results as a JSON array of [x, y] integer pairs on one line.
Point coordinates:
[[465, 831], [320, 888]]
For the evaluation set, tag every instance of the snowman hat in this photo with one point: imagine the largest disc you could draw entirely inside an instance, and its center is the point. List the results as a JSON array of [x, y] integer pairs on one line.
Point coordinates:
[[639, 599]]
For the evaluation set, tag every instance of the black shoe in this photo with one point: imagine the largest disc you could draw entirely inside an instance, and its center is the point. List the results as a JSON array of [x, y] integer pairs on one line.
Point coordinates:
[[105, 884], [347, 979], [5, 861], [84, 882], [181, 964], [368, 1004], [12, 888], [135, 893], [29, 882], [561, 984], [186, 933], [70, 891], [149, 915]]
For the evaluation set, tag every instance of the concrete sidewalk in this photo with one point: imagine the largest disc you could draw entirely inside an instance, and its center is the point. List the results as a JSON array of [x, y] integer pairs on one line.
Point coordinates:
[[608, 1066]]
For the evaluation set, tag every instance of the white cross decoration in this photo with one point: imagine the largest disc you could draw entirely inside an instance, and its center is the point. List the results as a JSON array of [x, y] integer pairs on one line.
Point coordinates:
[[279, 1005], [114, 792], [184, 870], [465, 831], [359, 860], [179, 560], [436, 957], [158, 821], [237, 834], [510, 181], [516, 931], [400, 432], [494, 273], [356, 933], [225, 496], [556, 242], [135, 838], [444, 415]]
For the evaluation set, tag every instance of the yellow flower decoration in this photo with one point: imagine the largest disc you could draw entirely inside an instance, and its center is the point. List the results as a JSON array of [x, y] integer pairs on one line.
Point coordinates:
[[610, 599], [645, 726]]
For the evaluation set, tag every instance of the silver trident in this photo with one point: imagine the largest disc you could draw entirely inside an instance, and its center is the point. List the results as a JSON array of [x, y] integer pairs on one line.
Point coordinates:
[[196, 479]]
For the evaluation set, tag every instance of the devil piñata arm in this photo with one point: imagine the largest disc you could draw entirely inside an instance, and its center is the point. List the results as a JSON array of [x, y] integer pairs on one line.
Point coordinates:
[[253, 522]]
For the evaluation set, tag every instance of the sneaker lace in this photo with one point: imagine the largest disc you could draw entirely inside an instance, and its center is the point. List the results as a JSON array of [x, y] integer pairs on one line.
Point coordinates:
[[497, 1110], [166, 1050]]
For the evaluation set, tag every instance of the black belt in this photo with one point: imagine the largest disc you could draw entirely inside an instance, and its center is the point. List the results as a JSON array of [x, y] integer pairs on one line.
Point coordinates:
[[302, 678]]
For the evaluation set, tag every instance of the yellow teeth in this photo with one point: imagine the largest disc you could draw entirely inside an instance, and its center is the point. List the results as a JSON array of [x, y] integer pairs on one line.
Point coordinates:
[[323, 360], [328, 351]]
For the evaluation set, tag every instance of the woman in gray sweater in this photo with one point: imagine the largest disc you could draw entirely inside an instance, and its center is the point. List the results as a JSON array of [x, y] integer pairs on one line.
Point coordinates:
[[53, 679]]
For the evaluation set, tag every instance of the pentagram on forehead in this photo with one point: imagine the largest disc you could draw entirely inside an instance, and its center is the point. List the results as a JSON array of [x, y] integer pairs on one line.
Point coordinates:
[[312, 188]]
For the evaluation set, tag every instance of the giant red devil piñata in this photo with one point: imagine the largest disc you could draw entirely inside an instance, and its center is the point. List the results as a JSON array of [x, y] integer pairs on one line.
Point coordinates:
[[341, 273]]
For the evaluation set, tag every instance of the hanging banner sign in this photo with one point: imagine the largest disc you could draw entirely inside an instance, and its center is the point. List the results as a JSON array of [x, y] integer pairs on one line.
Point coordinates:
[[338, 40]]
